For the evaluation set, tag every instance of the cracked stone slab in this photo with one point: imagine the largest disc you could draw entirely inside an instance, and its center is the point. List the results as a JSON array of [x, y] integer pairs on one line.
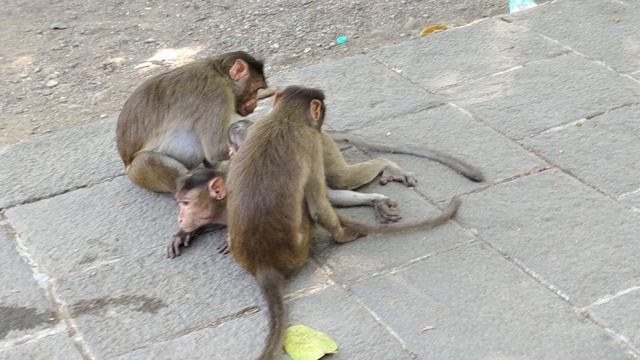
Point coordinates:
[[23, 306], [574, 238], [621, 315], [633, 200], [545, 94], [332, 311], [358, 90], [133, 302], [480, 50], [57, 162], [602, 151], [57, 346], [380, 252], [451, 131], [616, 37], [470, 303]]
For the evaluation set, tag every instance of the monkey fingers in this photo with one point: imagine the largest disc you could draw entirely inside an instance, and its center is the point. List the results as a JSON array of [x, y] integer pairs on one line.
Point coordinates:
[[386, 211], [396, 174], [223, 247], [179, 239]]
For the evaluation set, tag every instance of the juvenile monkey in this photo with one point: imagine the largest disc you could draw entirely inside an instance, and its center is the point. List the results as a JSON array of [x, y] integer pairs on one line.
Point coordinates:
[[277, 192], [175, 121]]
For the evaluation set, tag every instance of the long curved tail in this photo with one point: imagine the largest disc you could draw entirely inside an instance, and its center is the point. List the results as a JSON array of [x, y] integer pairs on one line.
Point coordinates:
[[468, 171], [271, 283], [447, 214]]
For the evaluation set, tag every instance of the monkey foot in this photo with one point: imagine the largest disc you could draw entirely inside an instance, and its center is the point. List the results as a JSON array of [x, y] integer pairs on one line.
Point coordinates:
[[398, 175], [386, 211]]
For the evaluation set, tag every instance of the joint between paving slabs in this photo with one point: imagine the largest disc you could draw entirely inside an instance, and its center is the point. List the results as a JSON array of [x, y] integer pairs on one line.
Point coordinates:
[[62, 192], [46, 283]]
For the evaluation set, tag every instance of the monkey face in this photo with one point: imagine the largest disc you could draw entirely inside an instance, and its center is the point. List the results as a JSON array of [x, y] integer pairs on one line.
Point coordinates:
[[195, 209], [247, 101]]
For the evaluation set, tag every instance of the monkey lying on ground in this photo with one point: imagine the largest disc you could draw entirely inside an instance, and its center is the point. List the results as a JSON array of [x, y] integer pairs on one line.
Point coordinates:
[[277, 193]]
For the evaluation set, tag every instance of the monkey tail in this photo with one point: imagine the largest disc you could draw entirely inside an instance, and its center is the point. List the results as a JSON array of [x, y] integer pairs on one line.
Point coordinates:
[[468, 171], [447, 214], [271, 283]]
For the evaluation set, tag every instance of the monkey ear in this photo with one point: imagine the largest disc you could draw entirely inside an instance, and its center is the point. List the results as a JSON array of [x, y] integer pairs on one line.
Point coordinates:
[[277, 97], [239, 70], [315, 109], [217, 189]]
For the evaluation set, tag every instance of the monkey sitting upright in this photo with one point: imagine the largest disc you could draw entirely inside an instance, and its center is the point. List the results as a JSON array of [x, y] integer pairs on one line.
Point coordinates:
[[277, 193]]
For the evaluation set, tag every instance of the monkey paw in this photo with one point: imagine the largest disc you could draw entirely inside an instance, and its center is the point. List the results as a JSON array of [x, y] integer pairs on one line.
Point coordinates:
[[392, 174], [350, 235], [223, 247], [181, 238], [386, 211]]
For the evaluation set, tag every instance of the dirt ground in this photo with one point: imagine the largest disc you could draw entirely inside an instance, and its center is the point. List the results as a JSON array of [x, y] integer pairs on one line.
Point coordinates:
[[67, 63]]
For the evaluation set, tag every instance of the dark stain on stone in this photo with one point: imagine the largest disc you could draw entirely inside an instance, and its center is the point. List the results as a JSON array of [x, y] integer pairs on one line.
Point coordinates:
[[99, 306], [87, 259], [21, 318]]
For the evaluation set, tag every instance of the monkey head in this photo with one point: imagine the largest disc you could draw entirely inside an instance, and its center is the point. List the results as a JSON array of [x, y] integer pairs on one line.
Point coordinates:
[[201, 198], [308, 103], [248, 78], [236, 134]]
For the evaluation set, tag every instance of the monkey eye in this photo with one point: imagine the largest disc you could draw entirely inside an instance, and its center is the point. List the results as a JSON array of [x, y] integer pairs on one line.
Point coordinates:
[[183, 202]]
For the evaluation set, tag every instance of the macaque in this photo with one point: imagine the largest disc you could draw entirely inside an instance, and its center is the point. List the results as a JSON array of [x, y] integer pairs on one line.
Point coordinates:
[[277, 192], [178, 120]]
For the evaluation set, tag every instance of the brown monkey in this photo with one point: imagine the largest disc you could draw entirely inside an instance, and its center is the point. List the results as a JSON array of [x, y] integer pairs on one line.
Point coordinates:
[[276, 194], [177, 120]]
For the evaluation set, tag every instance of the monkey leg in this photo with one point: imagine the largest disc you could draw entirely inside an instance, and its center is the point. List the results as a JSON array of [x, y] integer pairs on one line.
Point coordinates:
[[342, 176], [384, 207], [155, 171]]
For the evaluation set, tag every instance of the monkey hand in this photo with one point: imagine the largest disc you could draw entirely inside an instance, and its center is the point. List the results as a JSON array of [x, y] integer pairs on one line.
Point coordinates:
[[386, 210], [397, 174], [181, 238], [223, 247]]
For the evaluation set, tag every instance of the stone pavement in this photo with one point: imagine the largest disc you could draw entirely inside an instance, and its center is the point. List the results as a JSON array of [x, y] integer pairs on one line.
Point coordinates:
[[542, 261]]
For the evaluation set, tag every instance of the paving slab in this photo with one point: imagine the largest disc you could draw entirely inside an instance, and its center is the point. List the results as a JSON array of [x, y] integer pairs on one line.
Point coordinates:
[[136, 301], [24, 308], [633, 200], [53, 347], [480, 50], [78, 229], [621, 315], [602, 151], [380, 252], [358, 90], [617, 29], [576, 239], [545, 94], [470, 303], [451, 131], [57, 162], [357, 333]]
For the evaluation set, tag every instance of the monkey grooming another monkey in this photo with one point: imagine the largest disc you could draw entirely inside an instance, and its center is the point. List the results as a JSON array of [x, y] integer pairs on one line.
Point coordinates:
[[175, 121], [277, 193]]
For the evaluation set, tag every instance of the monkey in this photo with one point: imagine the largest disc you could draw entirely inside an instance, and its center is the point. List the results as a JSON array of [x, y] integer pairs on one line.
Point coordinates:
[[276, 185], [176, 121]]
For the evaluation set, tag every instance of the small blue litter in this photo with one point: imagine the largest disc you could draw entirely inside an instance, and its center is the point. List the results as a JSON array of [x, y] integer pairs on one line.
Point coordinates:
[[519, 5], [341, 40]]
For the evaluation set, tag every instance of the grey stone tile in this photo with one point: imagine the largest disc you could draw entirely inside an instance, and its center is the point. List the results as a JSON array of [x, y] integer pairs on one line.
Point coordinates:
[[359, 90], [602, 151], [633, 200], [573, 237], [134, 302], [54, 163], [53, 347], [621, 315], [23, 306], [472, 304], [331, 311], [611, 33], [78, 229], [449, 130], [378, 252], [545, 94], [480, 50]]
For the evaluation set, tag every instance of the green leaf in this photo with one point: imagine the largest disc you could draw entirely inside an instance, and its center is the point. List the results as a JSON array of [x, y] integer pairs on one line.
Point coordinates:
[[304, 343]]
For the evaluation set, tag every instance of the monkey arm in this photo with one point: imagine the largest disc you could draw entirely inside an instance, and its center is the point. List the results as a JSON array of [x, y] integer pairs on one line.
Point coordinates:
[[385, 208]]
